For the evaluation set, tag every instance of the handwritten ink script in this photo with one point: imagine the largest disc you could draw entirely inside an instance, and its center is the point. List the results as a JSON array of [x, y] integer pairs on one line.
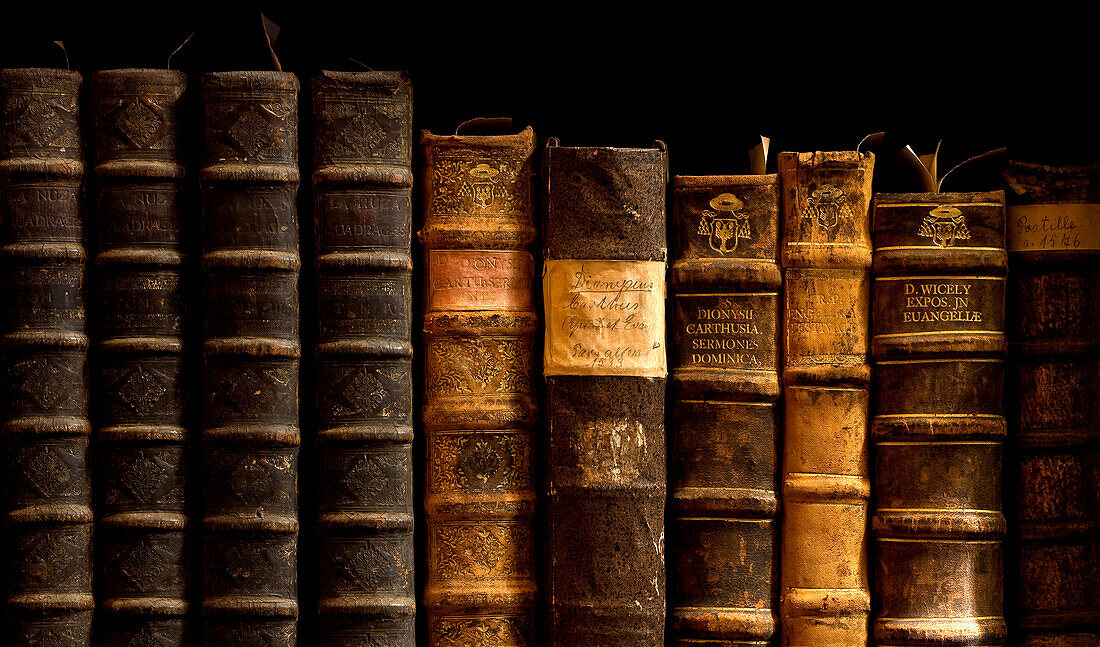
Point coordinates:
[[1054, 227], [605, 318]]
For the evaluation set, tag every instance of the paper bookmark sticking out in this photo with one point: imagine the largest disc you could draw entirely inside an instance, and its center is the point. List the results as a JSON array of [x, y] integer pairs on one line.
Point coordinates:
[[758, 156], [271, 32]]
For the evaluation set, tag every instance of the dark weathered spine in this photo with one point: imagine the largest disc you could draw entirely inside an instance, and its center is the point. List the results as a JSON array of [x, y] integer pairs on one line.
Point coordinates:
[[479, 400], [826, 257], [45, 425], [362, 185], [938, 427], [142, 427], [251, 354], [1053, 458], [725, 283], [605, 396]]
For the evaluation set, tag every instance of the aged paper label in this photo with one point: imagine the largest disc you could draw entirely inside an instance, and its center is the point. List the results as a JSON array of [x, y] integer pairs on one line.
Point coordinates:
[[605, 318], [1064, 227], [480, 280]]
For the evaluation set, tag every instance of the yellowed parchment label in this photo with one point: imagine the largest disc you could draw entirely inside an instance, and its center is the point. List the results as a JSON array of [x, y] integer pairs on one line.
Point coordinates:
[[604, 318], [1066, 227]]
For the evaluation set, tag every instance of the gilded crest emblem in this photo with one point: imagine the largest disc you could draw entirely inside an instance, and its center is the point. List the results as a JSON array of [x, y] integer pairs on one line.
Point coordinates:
[[482, 184], [944, 225], [827, 204], [726, 221]]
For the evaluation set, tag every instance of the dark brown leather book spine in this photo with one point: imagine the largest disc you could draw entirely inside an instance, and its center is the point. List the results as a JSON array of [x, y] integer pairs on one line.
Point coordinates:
[[479, 400], [824, 596], [725, 283], [45, 426], [362, 185], [1053, 484], [251, 354], [142, 428], [938, 428], [604, 360]]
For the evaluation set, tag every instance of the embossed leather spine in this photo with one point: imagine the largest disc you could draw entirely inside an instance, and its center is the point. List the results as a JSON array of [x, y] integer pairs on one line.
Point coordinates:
[[362, 185], [251, 352], [826, 257], [725, 285], [605, 464], [938, 429], [45, 423], [479, 407], [142, 425], [1053, 456]]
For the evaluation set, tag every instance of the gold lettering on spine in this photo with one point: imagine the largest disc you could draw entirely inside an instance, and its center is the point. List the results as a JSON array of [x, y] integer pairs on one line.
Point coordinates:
[[479, 406], [480, 280]]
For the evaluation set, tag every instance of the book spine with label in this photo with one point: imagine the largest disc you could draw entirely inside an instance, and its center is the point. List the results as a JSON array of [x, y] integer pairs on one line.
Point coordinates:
[[45, 424], [251, 352], [480, 407], [142, 425], [725, 284], [605, 364], [938, 429], [362, 185], [1053, 458], [826, 257]]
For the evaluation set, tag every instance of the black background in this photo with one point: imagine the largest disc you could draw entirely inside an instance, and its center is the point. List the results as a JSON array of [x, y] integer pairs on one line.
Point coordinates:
[[707, 82]]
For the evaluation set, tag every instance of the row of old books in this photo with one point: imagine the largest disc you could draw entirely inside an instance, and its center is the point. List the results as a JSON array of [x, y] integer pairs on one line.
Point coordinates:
[[838, 375]]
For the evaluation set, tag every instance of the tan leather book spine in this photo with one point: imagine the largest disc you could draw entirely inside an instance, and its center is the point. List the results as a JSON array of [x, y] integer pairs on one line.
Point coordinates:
[[938, 428], [826, 257], [362, 196], [605, 364], [44, 425], [143, 422], [251, 353], [479, 407], [1053, 473], [724, 428]]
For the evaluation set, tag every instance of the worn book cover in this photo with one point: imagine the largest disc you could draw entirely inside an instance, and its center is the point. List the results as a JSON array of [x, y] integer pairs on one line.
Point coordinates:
[[826, 257], [142, 431], [45, 423], [480, 407], [362, 186], [1053, 458], [605, 364], [938, 428], [724, 428], [251, 353]]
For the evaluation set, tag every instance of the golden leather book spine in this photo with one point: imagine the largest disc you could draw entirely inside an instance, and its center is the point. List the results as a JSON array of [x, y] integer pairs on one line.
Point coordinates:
[[826, 258], [251, 354], [362, 185], [604, 360], [45, 420], [142, 425], [1053, 457], [725, 285], [938, 429], [479, 408]]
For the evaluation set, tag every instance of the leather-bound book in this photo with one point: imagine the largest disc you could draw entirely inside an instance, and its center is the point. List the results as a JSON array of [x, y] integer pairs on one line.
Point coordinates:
[[45, 428], [251, 352], [479, 408], [362, 184], [1053, 458], [142, 424], [604, 361], [826, 257], [725, 282], [938, 424]]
